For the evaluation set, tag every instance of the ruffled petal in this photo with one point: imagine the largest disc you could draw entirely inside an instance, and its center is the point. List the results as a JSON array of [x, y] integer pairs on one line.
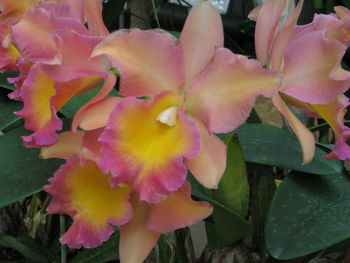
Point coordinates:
[[312, 70], [266, 28], [24, 69], [136, 239], [9, 54], [201, 34], [333, 113], [83, 192], [68, 143], [224, 94], [15, 9], [210, 163], [40, 23], [38, 113], [149, 61], [75, 50], [177, 211], [305, 137], [143, 152]]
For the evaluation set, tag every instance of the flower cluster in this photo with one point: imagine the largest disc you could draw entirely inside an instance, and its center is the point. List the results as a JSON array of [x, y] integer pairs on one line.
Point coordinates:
[[127, 157]]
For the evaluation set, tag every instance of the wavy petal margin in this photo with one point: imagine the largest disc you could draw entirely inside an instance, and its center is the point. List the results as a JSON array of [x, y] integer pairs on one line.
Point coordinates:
[[312, 69], [149, 61], [141, 151], [83, 192], [224, 94], [201, 34], [333, 113]]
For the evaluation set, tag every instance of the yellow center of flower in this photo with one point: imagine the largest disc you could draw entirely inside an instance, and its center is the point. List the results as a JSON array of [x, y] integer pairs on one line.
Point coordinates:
[[168, 116]]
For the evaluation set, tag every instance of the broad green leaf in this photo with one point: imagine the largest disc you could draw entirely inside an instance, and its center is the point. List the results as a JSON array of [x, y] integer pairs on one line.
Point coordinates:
[[307, 214], [107, 252], [26, 246], [7, 107], [3, 79], [265, 144], [239, 227], [22, 172]]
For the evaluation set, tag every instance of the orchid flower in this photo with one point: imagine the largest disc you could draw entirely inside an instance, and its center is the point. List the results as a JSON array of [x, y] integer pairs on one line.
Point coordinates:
[[80, 189], [54, 67], [309, 61], [197, 87]]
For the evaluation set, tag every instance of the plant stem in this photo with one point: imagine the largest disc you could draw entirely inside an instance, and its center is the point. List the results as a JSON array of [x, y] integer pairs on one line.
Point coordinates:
[[63, 247]]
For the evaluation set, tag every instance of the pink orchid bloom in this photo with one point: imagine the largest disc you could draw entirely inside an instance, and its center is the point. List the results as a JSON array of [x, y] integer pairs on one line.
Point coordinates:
[[81, 190], [199, 88], [309, 61], [54, 67]]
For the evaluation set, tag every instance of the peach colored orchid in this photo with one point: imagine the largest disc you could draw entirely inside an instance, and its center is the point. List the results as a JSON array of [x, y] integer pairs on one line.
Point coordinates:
[[80, 189], [308, 59], [199, 88]]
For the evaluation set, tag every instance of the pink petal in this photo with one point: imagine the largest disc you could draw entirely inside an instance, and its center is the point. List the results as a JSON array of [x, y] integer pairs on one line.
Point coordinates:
[[177, 211], [106, 89], [75, 50], [83, 192], [24, 69], [305, 137], [68, 143], [9, 54], [93, 12], [266, 28], [40, 23], [333, 113], [202, 33], [224, 94], [143, 152], [283, 37], [136, 239], [149, 61], [312, 70], [210, 163]]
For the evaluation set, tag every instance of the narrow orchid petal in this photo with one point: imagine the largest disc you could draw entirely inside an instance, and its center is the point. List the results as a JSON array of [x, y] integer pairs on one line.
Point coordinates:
[[254, 14], [333, 113], [202, 33], [177, 211], [106, 89], [83, 192], [39, 115], [91, 144], [305, 137], [209, 165], [136, 239], [224, 94], [76, 9], [9, 54], [66, 8], [284, 34], [75, 50], [266, 28], [149, 61], [93, 11], [40, 23], [143, 152], [96, 116], [312, 70], [68, 143]]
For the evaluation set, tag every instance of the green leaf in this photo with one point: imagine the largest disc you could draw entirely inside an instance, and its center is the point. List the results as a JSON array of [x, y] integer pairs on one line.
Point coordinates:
[[26, 246], [307, 214], [3, 80], [7, 107], [107, 252], [239, 227], [265, 144], [22, 173]]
